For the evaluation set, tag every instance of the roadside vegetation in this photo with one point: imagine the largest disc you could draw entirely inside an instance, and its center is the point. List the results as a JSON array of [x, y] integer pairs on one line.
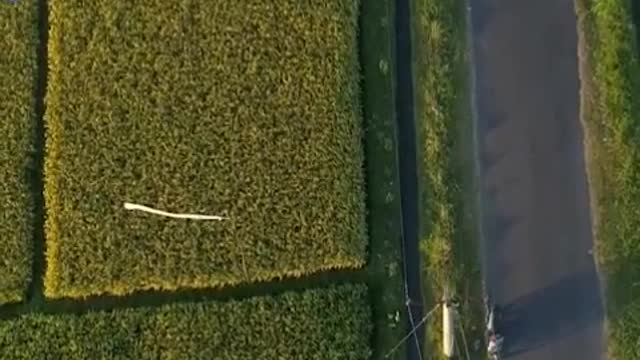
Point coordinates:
[[18, 42], [331, 324], [448, 231], [202, 109], [610, 75]]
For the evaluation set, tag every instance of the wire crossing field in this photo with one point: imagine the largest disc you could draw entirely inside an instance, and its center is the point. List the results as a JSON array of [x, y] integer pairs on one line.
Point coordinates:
[[332, 323], [247, 109], [18, 37]]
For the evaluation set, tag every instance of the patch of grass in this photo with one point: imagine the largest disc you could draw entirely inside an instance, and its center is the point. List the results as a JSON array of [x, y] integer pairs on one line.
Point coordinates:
[[610, 76], [201, 108], [333, 323], [449, 223], [383, 185], [18, 43]]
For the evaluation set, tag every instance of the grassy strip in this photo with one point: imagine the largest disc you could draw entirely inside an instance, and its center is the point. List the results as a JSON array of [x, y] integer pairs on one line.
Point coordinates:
[[199, 108], [18, 42], [332, 323], [448, 228], [383, 200], [610, 75]]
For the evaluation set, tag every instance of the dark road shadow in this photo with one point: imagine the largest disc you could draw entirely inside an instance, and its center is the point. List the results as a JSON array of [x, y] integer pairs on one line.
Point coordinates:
[[562, 309]]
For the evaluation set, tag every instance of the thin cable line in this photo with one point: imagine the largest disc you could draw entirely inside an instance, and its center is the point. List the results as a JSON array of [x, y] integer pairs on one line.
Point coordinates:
[[464, 339], [425, 318]]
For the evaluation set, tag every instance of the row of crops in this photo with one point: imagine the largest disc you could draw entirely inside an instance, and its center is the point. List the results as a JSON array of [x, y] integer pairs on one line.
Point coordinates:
[[333, 323], [250, 110], [17, 75]]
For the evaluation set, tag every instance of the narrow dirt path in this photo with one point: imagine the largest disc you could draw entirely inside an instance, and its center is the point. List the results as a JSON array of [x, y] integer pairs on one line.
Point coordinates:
[[535, 202]]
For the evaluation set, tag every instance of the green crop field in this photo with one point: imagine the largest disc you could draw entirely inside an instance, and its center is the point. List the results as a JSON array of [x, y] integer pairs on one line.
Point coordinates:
[[259, 112], [332, 323], [18, 41], [246, 109]]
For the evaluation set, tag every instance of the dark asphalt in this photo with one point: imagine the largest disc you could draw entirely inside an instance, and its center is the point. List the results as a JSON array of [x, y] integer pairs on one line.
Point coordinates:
[[408, 172], [535, 203]]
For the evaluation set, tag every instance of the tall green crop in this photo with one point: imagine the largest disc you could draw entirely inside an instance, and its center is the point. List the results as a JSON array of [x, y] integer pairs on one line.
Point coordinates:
[[247, 109], [327, 324], [18, 42]]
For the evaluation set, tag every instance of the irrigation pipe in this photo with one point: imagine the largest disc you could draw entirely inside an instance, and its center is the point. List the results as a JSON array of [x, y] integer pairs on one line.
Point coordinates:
[[130, 206]]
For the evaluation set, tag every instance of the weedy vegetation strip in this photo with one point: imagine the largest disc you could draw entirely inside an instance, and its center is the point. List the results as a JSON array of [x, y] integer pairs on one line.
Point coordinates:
[[194, 107], [448, 231], [610, 74], [382, 176], [18, 42], [331, 323]]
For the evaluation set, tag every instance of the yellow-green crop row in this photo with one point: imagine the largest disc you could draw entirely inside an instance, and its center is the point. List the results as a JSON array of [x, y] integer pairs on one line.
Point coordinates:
[[323, 324], [18, 42], [247, 109]]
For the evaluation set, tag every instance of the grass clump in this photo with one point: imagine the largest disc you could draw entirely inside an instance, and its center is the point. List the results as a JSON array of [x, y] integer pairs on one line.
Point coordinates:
[[444, 128], [247, 109], [610, 75], [18, 42], [331, 324]]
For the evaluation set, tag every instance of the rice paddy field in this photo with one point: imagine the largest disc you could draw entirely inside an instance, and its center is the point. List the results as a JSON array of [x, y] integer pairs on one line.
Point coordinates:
[[275, 116], [18, 41], [201, 109], [333, 323]]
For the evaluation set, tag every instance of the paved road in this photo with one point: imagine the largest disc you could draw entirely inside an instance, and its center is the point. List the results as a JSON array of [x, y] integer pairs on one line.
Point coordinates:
[[537, 230]]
